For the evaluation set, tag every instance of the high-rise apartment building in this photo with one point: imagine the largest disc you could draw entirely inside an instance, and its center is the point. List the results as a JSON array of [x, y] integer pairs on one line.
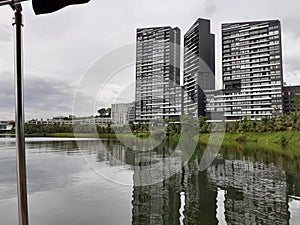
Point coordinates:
[[252, 71], [158, 91], [199, 66]]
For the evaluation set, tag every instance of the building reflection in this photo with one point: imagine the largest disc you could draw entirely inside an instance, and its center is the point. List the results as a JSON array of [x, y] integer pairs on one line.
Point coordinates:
[[201, 199], [161, 203], [157, 204], [157, 187], [256, 193], [256, 187]]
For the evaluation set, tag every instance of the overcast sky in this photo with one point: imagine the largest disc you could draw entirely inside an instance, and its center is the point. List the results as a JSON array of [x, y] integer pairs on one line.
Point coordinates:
[[60, 47]]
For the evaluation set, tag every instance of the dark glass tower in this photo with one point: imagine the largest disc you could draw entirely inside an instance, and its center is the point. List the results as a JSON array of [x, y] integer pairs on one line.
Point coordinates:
[[199, 66]]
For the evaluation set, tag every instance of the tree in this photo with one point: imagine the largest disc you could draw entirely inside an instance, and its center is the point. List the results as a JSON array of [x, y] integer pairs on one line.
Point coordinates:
[[296, 104], [277, 110], [108, 112], [203, 124], [102, 112]]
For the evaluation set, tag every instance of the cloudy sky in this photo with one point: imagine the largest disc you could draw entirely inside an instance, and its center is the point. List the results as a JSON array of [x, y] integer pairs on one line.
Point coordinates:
[[60, 48]]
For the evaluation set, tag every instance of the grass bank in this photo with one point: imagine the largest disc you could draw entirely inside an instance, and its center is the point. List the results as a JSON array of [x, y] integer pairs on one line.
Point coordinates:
[[283, 143], [282, 138]]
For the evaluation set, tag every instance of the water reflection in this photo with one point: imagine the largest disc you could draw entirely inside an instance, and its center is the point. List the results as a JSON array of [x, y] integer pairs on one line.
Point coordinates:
[[257, 188], [48, 167], [255, 193], [244, 185]]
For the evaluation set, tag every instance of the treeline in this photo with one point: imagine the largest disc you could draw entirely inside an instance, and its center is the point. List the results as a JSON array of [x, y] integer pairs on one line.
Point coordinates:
[[53, 128], [280, 123], [84, 128], [63, 128], [266, 124]]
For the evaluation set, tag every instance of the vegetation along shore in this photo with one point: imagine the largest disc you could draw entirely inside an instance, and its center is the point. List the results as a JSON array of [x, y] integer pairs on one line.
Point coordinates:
[[283, 130]]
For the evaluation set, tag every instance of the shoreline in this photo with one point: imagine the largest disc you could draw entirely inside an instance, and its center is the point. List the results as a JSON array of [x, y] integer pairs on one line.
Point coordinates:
[[281, 137], [282, 143]]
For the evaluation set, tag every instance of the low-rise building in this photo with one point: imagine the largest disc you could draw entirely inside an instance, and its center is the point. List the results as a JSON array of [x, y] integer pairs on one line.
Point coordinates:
[[103, 122], [6, 126]]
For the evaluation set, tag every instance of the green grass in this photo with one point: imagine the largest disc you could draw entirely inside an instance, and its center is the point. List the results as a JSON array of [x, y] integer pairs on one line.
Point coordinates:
[[284, 137], [283, 143]]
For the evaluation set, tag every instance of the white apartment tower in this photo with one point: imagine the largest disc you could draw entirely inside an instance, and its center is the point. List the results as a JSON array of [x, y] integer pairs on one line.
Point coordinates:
[[158, 91], [252, 71]]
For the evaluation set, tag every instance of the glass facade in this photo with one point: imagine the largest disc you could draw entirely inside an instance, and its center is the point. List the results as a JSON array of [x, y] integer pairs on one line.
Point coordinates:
[[199, 66]]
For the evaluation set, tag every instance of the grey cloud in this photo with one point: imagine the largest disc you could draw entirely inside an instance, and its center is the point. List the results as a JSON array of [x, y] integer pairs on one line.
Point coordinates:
[[5, 34], [43, 97], [292, 62], [210, 7], [292, 78], [52, 95], [291, 25], [7, 83], [7, 99]]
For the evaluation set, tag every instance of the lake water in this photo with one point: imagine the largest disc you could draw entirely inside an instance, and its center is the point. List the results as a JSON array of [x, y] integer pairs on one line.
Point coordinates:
[[92, 182]]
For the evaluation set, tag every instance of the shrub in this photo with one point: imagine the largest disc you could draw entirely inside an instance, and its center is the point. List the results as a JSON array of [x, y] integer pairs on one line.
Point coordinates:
[[240, 138], [283, 140]]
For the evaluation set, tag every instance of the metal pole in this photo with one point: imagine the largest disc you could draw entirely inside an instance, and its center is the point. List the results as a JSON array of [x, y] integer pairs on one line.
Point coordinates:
[[20, 138]]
